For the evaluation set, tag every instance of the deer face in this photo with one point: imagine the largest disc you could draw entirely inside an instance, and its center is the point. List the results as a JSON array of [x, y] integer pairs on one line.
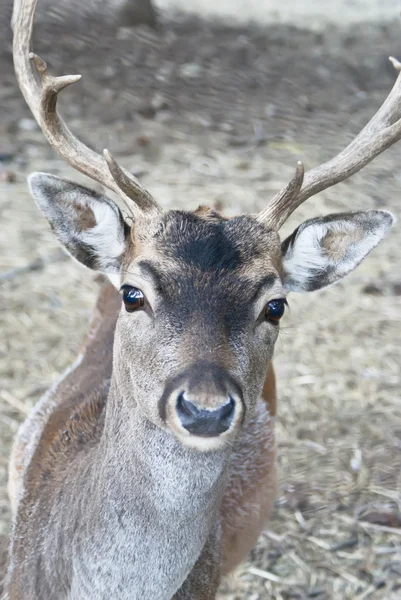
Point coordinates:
[[195, 327], [202, 298]]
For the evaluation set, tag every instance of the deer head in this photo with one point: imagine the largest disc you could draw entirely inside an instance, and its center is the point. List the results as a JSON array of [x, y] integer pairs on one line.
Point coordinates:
[[202, 295]]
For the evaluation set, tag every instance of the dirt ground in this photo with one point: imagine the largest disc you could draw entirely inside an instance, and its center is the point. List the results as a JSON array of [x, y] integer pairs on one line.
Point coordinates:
[[207, 113]]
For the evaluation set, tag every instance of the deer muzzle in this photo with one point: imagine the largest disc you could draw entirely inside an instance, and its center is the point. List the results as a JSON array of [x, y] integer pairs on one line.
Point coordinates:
[[203, 406]]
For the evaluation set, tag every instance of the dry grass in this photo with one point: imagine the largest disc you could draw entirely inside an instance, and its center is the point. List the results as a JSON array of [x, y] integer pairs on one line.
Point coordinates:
[[336, 530]]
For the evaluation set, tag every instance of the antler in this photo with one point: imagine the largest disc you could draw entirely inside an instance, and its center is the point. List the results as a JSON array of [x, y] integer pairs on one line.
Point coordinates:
[[42, 100], [383, 130]]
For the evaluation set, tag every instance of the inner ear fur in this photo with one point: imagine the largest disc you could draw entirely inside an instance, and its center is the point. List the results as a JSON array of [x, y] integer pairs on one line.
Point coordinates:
[[89, 225], [323, 250]]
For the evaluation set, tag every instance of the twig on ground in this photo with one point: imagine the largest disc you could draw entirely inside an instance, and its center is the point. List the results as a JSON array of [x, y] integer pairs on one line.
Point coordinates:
[[372, 526], [272, 577], [14, 402]]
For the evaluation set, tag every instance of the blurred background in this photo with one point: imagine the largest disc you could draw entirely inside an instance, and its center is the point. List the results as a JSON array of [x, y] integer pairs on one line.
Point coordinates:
[[213, 103]]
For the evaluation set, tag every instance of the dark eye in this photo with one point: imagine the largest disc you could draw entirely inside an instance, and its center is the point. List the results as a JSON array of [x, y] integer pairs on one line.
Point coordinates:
[[275, 309], [132, 298]]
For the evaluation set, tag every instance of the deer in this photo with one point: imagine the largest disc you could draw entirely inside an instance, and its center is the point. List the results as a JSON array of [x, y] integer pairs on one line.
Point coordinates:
[[148, 470]]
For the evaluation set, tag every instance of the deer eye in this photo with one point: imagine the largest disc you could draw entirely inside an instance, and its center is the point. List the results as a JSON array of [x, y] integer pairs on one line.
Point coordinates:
[[132, 297], [275, 309]]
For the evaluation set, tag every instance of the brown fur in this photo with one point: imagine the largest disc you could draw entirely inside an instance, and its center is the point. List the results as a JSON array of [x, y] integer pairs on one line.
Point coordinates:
[[87, 219], [209, 213], [75, 396], [337, 246], [269, 394], [250, 492]]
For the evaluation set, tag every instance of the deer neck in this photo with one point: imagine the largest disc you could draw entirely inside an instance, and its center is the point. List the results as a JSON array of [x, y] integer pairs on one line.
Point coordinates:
[[156, 500], [133, 444]]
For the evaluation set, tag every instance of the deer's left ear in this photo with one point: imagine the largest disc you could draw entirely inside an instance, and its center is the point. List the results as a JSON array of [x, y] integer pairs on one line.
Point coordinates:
[[322, 250]]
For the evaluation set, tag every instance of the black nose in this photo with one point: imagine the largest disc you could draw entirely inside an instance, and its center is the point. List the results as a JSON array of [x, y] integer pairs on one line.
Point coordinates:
[[206, 423]]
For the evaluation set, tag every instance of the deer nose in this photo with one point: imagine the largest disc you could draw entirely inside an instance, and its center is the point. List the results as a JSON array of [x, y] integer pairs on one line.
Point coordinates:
[[204, 422]]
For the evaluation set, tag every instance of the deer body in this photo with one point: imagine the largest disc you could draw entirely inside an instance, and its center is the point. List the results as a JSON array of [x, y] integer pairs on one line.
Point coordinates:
[[110, 520], [148, 471]]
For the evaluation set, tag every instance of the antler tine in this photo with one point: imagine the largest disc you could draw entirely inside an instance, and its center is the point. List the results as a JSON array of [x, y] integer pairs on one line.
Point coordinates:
[[283, 199], [41, 98], [382, 131], [127, 184]]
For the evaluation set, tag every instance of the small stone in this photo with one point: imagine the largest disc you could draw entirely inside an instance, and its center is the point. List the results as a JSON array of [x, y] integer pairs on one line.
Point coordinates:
[[7, 176], [165, 72], [143, 140], [372, 289], [356, 460], [386, 518], [5, 157], [109, 72], [159, 102], [147, 110], [190, 71], [270, 110], [226, 127], [323, 73], [138, 12]]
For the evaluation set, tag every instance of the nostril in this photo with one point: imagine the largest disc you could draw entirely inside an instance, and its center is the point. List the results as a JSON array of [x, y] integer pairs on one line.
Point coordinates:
[[227, 409], [205, 422], [184, 406]]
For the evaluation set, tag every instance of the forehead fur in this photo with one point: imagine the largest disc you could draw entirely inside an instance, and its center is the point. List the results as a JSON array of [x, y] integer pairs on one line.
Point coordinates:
[[207, 242], [208, 271]]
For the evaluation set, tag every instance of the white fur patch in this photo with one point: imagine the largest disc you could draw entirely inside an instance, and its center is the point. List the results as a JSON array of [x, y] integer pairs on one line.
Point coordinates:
[[309, 265], [107, 237], [305, 257]]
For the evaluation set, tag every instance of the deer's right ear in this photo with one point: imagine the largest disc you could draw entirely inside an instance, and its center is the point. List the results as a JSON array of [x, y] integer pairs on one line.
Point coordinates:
[[89, 225]]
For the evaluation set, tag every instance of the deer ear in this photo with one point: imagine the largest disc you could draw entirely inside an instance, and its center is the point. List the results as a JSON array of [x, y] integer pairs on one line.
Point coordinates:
[[322, 250], [89, 225]]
